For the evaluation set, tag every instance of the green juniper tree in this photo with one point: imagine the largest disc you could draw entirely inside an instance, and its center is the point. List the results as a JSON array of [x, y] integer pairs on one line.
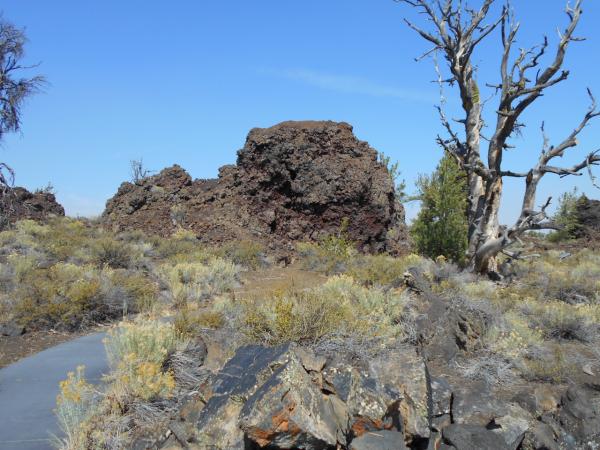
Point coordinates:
[[441, 227], [394, 171], [566, 217]]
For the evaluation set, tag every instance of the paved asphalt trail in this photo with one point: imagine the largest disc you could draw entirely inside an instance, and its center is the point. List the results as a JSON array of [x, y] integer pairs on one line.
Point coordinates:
[[28, 390]]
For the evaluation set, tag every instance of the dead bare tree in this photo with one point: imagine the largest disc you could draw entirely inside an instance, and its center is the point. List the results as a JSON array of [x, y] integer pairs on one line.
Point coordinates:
[[13, 92], [456, 30], [138, 172]]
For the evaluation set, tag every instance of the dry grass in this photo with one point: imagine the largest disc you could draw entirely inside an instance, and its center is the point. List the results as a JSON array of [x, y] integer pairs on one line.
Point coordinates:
[[243, 253], [552, 301], [189, 322], [336, 255], [341, 306], [68, 274], [197, 281]]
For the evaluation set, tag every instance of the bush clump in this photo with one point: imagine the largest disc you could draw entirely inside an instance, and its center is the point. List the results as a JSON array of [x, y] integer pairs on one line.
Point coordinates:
[[340, 307], [244, 253], [189, 321], [136, 353], [75, 404], [196, 281], [109, 252], [70, 297], [552, 303], [69, 274], [384, 270], [330, 254]]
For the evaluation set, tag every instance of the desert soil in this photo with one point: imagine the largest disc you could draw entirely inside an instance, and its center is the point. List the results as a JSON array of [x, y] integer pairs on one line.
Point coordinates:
[[255, 283], [12, 349]]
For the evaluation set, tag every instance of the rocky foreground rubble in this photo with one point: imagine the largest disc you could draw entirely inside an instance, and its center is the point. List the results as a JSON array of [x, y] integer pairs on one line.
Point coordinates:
[[296, 181], [287, 397], [387, 397]]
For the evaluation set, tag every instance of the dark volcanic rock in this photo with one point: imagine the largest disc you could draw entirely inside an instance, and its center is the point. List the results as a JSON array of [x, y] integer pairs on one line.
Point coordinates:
[[294, 181], [265, 395], [472, 437], [580, 415], [380, 440], [288, 397], [18, 204], [588, 217]]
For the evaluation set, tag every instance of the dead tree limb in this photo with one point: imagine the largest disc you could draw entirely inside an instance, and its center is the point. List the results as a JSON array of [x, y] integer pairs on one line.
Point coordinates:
[[456, 31]]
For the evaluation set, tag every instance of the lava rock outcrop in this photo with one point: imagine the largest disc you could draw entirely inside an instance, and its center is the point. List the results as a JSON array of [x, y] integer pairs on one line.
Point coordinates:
[[18, 203], [296, 181], [587, 213]]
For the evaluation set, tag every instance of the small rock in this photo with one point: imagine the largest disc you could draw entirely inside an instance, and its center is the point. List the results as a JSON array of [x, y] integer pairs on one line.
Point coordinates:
[[379, 440], [405, 389], [587, 369], [179, 431], [472, 437], [441, 397], [540, 437], [475, 405], [513, 425], [579, 415], [239, 379], [310, 361], [11, 329]]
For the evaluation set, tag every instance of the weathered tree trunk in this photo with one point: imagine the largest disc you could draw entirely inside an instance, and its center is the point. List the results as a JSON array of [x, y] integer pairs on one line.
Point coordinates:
[[457, 31], [483, 256]]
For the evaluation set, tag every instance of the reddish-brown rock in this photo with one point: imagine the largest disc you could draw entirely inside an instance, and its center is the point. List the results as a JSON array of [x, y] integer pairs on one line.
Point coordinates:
[[292, 182], [18, 204], [587, 213]]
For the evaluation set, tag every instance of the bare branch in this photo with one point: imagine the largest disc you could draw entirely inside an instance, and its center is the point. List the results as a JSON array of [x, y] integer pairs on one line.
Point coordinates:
[[571, 140], [545, 79], [591, 160], [431, 38], [508, 173], [520, 255]]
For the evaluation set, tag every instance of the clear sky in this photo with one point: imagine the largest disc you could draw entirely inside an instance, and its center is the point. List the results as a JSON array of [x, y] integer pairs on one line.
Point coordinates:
[[183, 81]]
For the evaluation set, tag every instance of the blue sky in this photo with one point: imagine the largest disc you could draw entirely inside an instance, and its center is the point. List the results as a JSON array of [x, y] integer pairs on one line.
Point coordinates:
[[184, 81]]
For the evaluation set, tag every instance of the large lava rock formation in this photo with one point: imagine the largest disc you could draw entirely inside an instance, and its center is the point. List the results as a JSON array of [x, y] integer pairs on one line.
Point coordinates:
[[294, 181]]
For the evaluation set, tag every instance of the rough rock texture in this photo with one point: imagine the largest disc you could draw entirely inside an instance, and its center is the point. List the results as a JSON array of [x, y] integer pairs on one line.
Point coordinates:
[[288, 397], [396, 396], [11, 329], [588, 216], [379, 440], [294, 181], [18, 204]]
